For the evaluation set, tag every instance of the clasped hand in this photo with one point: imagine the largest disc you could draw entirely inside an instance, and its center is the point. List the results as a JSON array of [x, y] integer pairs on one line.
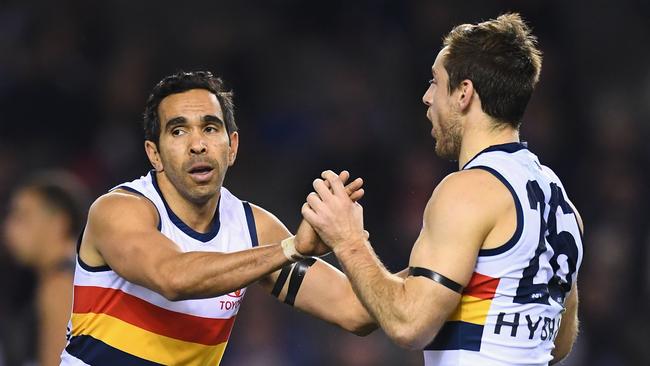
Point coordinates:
[[333, 213]]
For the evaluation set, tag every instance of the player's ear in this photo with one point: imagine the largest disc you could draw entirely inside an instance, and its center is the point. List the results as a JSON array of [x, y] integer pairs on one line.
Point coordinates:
[[465, 94], [234, 146], [154, 156]]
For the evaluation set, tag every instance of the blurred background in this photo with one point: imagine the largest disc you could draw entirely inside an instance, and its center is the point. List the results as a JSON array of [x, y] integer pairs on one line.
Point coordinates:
[[336, 85]]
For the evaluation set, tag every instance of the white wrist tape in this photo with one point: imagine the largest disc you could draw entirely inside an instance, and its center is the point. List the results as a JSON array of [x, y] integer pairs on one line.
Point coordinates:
[[289, 249]]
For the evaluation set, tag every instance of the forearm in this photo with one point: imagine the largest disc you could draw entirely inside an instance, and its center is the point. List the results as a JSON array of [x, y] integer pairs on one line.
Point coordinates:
[[324, 292], [382, 294], [207, 274]]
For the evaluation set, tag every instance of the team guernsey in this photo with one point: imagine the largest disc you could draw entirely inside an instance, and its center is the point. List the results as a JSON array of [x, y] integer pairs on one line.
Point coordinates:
[[116, 322], [511, 310]]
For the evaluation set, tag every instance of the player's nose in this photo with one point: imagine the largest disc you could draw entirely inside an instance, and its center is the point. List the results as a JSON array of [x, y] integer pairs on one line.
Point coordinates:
[[198, 144], [427, 97]]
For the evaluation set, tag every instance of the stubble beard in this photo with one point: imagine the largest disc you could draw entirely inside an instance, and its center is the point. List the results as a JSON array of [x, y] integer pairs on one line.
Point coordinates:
[[196, 194], [450, 136]]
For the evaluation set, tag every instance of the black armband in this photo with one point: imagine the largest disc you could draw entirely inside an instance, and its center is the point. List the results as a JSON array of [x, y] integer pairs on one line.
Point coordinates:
[[282, 279], [297, 275], [436, 277]]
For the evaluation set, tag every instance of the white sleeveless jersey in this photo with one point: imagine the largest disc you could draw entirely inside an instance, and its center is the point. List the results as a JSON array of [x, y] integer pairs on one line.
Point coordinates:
[[510, 312], [116, 322]]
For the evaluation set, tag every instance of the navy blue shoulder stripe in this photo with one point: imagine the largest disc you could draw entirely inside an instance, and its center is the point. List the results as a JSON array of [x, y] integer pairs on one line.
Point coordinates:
[[520, 216], [133, 190], [250, 220], [97, 353], [511, 147]]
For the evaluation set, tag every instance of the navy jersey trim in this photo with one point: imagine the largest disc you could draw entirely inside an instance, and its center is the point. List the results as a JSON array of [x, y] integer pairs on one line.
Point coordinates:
[[97, 353], [520, 216], [202, 237], [89, 268], [133, 190], [85, 266], [250, 220], [457, 335], [511, 147]]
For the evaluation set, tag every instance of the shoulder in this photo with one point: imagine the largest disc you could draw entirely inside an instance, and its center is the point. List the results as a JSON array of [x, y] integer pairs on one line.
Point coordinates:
[[470, 188], [121, 206], [269, 228], [473, 194]]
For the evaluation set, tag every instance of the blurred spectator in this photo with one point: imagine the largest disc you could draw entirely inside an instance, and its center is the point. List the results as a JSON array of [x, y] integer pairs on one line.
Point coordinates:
[[45, 217]]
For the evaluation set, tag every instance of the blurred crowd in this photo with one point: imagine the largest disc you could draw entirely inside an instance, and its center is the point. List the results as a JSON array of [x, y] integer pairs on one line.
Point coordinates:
[[334, 85]]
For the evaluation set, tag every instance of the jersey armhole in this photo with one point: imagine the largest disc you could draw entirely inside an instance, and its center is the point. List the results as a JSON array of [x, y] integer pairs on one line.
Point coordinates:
[[250, 220], [83, 264], [520, 216]]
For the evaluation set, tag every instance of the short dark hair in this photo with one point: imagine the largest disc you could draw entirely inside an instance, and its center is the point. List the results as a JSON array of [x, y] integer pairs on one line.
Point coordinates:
[[62, 192], [501, 58], [181, 82]]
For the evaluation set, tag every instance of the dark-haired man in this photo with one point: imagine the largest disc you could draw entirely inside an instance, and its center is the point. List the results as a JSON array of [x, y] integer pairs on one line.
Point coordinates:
[[492, 277], [44, 219], [165, 259]]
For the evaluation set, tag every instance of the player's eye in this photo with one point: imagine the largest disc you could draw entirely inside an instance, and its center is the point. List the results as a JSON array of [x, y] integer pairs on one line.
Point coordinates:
[[177, 132], [211, 129]]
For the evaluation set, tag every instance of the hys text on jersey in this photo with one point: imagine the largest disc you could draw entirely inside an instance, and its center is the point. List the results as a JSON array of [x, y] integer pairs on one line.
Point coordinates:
[[544, 328]]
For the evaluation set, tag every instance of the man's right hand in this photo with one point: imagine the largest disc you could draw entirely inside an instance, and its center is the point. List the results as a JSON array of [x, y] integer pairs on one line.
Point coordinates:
[[307, 242]]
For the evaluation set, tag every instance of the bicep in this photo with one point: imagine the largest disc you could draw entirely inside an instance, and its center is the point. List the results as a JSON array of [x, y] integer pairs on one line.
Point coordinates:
[[456, 221], [451, 237], [122, 228]]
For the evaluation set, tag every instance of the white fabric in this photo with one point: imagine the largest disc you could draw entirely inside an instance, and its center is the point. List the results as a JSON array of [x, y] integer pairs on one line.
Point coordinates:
[[518, 168], [233, 235]]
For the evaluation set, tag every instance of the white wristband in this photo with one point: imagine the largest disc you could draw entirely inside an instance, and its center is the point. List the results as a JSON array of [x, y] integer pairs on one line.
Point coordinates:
[[289, 249]]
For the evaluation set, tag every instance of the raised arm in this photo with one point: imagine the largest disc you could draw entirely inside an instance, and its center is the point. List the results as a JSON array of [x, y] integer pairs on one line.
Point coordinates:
[[122, 233], [411, 311], [312, 285]]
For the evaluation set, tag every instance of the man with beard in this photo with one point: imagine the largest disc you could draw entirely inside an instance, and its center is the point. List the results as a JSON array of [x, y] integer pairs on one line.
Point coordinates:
[[496, 262], [164, 260]]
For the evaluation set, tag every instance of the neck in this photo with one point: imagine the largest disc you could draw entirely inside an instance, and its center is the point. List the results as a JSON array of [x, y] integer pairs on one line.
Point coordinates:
[[197, 215], [59, 250], [477, 140]]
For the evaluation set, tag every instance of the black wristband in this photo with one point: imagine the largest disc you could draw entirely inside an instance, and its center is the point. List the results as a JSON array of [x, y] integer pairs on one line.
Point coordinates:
[[298, 274], [282, 279], [436, 277]]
